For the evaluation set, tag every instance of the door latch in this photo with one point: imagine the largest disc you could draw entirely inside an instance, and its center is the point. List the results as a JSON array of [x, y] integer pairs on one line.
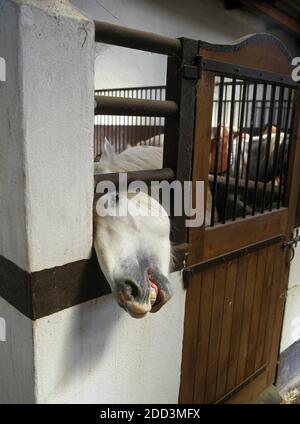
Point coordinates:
[[292, 244], [294, 241]]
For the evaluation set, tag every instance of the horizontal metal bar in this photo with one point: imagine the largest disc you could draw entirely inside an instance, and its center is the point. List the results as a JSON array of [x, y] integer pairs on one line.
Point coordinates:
[[241, 183], [202, 266], [135, 39], [107, 105], [146, 176], [145, 87], [236, 71]]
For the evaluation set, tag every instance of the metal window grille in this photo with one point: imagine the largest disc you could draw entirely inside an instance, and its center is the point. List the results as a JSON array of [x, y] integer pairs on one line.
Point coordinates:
[[250, 143], [124, 131]]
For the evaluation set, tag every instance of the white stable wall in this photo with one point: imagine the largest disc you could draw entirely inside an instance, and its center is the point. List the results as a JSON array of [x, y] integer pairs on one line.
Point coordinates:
[[13, 238], [119, 67], [199, 19], [97, 353], [46, 138], [291, 323], [46, 158], [16, 357]]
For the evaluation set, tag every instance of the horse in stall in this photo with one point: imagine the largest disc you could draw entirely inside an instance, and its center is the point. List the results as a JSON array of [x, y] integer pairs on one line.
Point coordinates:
[[134, 252]]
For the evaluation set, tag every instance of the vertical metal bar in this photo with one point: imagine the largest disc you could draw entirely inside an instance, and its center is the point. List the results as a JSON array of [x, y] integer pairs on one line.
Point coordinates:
[[261, 129], [241, 128], [143, 118], [246, 127], [224, 124], [135, 126], [109, 124], [126, 125], [119, 125], [230, 143], [96, 119], [113, 134], [105, 126], [98, 135], [155, 119], [110, 119], [130, 124], [268, 145], [286, 129], [250, 147], [277, 144], [147, 125], [102, 132], [289, 148], [217, 143], [149, 135], [162, 96], [179, 131], [240, 101]]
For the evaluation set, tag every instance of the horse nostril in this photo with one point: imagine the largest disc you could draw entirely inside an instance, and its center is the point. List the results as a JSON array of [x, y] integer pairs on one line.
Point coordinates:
[[131, 288], [132, 298]]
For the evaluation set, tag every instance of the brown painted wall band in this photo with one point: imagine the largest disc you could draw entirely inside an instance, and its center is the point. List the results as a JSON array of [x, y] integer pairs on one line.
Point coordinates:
[[43, 293]]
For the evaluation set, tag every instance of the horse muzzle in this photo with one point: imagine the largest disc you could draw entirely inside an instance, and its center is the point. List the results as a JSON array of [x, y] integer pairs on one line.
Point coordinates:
[[136, 297]]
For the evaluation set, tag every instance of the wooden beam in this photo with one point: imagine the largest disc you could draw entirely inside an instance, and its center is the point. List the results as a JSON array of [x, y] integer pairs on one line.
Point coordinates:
[[275, 15]]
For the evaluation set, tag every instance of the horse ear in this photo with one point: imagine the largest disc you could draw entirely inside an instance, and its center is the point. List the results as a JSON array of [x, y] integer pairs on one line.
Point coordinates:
[[108, 149]]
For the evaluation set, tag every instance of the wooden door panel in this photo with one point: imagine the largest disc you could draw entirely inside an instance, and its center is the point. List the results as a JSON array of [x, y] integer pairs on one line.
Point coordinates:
[[246, 318], [204, 325], [239, 270], [231, 279], [234, 324], [234, 235]]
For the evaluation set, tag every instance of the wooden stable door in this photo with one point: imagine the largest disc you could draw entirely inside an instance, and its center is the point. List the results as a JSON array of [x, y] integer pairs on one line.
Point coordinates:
[[238, 265]]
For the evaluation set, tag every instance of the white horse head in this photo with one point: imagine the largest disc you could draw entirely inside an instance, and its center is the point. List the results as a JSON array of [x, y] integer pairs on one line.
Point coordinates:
[[134, 251]]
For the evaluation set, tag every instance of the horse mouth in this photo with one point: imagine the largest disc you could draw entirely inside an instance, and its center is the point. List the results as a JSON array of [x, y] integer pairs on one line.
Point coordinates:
[[159, 293], [154, 292]]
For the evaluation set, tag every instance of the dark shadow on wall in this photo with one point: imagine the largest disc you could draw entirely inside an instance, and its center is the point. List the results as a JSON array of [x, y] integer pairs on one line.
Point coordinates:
[[84, 336]]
